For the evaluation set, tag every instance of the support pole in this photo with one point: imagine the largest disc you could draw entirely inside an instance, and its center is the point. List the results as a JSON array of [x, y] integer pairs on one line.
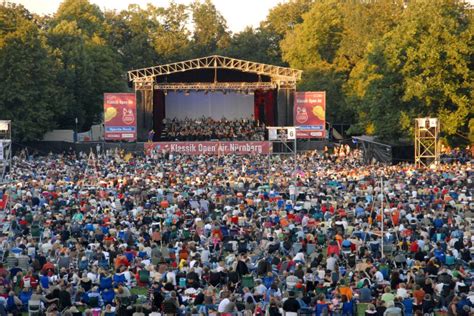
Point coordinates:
[[381, 215]]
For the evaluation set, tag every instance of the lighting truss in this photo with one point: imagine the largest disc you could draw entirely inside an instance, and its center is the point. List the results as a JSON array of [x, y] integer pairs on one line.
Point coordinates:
[[282, 76], [225, 86]]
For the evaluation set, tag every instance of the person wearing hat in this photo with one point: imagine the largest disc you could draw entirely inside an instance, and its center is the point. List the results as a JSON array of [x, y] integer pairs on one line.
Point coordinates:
[[291, 304]]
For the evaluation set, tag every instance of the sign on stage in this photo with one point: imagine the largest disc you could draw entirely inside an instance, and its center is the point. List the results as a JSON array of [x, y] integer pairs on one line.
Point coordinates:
[[210, 148], [120, 112], [310, 114]]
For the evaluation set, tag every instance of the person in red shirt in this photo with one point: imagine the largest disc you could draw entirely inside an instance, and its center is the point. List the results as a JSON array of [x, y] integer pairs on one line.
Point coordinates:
[[29, 281]]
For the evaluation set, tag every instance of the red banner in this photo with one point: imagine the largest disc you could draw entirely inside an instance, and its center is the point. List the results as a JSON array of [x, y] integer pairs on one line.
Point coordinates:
[[309, 114], [210, 148], [120, 116]]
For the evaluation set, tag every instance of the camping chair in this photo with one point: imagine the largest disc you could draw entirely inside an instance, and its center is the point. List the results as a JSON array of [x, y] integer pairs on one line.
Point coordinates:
[[296, 248], [143, 277], [310, 248], [35, 231], [361, 308], [34, 308], [186, 234], [248, 281], [93, 302], [105, 283], [388, 249]]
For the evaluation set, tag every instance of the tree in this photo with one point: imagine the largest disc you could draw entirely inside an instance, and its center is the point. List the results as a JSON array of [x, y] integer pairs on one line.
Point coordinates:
[[129, 33], [286, 15], [171, 39], [210, 29], [89, 66], [427, 70], [88, 17], [30, 96], [242, 45], [315, 42], [313, 46]]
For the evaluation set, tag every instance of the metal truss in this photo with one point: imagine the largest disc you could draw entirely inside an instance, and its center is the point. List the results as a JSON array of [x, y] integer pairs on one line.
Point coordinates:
[[5, 150], [243, 86], [426, 141], [279, 75]]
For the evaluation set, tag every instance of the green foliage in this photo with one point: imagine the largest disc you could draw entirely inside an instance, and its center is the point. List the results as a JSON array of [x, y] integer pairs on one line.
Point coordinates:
[[423, 67], [314, 43], [88, 17], [129, 34], [242, 45], [381, 62], [286, 15], [387, 62], [29, 94], [88, 65], [210, 29]]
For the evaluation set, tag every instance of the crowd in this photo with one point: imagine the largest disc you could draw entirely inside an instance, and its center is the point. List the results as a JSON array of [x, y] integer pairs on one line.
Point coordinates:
[[228, 235], [206, 128]]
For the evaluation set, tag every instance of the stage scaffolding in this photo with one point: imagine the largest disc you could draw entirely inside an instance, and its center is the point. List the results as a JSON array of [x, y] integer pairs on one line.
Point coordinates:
[[426, 142], [5, 149], [281, 79]]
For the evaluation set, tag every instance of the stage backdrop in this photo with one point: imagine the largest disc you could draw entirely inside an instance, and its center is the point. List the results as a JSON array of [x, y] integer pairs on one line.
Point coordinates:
[[216, 105], [120, 116], [210, 148], [309, 114]]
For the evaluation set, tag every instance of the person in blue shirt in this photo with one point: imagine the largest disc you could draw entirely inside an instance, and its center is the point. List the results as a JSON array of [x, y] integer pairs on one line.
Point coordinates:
[[108, 296], [348, 306], [465, 301]]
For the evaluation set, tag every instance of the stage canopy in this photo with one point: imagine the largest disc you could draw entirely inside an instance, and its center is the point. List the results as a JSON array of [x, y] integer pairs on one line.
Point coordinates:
[[272, 87]]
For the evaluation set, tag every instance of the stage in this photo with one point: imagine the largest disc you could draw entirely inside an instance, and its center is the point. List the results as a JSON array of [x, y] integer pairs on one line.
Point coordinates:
[[214, 87]]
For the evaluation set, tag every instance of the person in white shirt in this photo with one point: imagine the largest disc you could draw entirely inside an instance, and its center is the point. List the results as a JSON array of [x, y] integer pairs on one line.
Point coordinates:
[[171, 277], [223, 304], [299, 257], [331, 263], [260, 289], [402, 291], [379, 277]]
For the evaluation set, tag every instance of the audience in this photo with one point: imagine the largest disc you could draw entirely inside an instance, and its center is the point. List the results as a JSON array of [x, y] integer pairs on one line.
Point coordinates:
[[235, 235]]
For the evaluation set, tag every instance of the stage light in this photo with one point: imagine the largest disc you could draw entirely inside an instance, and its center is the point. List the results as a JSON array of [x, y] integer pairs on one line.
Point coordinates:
[[165, 92], [224, 91], [206, 92], [186, 92]]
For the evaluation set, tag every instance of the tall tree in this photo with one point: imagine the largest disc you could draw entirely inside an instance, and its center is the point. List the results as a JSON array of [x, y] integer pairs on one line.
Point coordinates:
[[171, 39], [130, 34], [88, 17], [89, 66], [210, 29], [315, 41], [30, 96], [242, 45], [286, 15], [430, 53]]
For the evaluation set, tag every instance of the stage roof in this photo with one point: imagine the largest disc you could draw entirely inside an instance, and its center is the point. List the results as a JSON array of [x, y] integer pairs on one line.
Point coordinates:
[[212, 69]]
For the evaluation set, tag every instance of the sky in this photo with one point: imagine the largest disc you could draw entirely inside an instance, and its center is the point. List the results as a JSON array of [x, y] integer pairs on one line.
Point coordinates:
[[238, 13]]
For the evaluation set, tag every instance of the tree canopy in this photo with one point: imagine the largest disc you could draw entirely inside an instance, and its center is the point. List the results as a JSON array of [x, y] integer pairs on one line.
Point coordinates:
[[382, 62]]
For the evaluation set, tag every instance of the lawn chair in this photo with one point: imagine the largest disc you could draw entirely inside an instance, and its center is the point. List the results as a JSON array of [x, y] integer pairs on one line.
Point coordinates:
[[296, 248], [34, 308], [248, 281], [310, 248], [36, 231]]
